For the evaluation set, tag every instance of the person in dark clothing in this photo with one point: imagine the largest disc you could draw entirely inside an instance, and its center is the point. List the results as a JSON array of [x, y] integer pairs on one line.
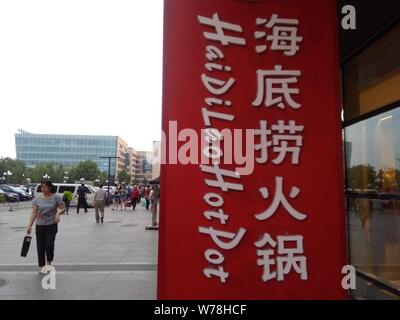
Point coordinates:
[[67, 203], [82, 198], [146, 196], [134, 196]]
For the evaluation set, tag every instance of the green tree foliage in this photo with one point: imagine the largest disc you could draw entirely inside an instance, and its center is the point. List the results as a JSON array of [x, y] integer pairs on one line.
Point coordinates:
[[103, 176], [42, 170], [85, 169], [124, 176], [16, 167], [363, 176]]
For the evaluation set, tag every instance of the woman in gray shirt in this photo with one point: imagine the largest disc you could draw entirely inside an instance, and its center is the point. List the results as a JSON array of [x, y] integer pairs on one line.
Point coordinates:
[[46, 210]]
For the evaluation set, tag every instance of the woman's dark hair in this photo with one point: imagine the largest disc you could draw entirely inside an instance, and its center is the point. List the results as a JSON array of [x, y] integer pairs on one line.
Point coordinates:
[[50, 184]]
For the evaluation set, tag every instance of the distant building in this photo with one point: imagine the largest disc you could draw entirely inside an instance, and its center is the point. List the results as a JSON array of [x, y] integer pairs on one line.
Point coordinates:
[[69, 150], [144, 167], [133, 163]]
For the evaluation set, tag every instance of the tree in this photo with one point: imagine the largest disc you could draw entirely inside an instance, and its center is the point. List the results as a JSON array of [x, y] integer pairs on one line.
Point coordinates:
[[363, 176], [85, 169], [42, 170], [124, 176], [16, 167], [103, 176]]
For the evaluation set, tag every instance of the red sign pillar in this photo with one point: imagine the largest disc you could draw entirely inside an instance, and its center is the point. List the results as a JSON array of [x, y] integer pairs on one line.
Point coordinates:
[[251, 185]]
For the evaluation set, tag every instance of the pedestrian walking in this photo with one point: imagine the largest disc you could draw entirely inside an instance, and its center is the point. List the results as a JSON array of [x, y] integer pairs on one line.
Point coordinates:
[[134, 197], [67, 198], [124, 196], [100, 197], [146, 196], [151, 198], [82, 198], [129, 189], [116, 197], [46, 211], [142, 189]]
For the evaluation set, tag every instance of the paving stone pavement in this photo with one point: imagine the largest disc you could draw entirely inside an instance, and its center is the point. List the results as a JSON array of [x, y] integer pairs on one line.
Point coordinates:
[[113, 260]]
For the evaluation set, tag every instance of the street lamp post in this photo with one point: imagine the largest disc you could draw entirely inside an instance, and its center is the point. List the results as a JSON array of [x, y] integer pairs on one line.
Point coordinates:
[[7, 174], [109, 173]]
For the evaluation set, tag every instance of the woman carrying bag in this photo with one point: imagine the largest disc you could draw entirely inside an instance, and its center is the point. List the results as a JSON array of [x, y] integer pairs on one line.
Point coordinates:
[[46, 210]]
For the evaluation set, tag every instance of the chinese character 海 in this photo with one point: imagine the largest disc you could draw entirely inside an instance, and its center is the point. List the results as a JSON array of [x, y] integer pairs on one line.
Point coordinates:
[[284, 35]]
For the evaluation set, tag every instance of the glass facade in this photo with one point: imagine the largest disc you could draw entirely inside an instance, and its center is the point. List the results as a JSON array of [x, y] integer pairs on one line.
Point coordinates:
[[67, 150], [372, 160], [371, 80]]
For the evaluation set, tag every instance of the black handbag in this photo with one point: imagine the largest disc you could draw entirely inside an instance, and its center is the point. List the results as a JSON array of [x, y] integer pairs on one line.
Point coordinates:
[[25, 246]]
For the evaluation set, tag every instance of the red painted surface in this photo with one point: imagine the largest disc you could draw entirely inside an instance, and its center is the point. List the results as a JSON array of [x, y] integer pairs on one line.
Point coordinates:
[[318, 175]]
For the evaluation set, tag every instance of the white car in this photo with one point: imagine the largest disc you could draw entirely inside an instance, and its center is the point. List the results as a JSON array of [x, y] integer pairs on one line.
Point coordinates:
[[73, 188]]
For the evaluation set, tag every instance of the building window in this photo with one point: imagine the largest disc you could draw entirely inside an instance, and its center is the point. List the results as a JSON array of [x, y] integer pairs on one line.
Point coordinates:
[[372, 161], [372, 80]]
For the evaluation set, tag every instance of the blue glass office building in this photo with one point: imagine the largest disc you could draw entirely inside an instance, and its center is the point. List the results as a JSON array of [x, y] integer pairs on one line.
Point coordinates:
[[67, 150]]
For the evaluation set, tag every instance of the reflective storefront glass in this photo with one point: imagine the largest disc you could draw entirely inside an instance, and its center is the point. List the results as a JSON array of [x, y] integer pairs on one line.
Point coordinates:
[[372, 160]]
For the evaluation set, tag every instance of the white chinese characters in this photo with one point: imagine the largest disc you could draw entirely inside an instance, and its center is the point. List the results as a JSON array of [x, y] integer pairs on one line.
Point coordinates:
[[273, 88], [280, 199], [279, 137], [284, 35], [282, 140], [276, 266]]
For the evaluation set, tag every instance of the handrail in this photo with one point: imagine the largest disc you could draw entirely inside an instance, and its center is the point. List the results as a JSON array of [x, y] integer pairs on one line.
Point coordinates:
[[378, 196], [379, 282]]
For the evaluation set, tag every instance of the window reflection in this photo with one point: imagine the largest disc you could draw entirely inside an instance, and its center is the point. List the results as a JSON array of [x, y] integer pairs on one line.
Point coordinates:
[[373, 195]]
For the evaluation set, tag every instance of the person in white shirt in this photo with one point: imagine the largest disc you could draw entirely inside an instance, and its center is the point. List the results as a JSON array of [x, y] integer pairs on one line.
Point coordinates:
[[100, 197]]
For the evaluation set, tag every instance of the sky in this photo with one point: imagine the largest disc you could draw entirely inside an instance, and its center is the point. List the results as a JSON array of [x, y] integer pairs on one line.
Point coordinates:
[[81, 67]]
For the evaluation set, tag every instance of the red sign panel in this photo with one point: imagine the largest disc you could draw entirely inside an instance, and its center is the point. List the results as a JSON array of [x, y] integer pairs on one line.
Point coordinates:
[[251, 185]]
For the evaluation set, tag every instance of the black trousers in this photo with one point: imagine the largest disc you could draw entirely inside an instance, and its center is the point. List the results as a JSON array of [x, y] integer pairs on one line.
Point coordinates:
[[45, 238], [82, 203], [67, 205], [134, 202]]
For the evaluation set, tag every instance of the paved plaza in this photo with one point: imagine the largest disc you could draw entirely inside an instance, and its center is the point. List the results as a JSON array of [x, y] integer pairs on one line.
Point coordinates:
[[113, 260]]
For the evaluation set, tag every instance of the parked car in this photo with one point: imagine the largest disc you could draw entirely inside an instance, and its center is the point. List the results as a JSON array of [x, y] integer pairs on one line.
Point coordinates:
[[10, 197], [21, 195], [27, 191], [25, 194]]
